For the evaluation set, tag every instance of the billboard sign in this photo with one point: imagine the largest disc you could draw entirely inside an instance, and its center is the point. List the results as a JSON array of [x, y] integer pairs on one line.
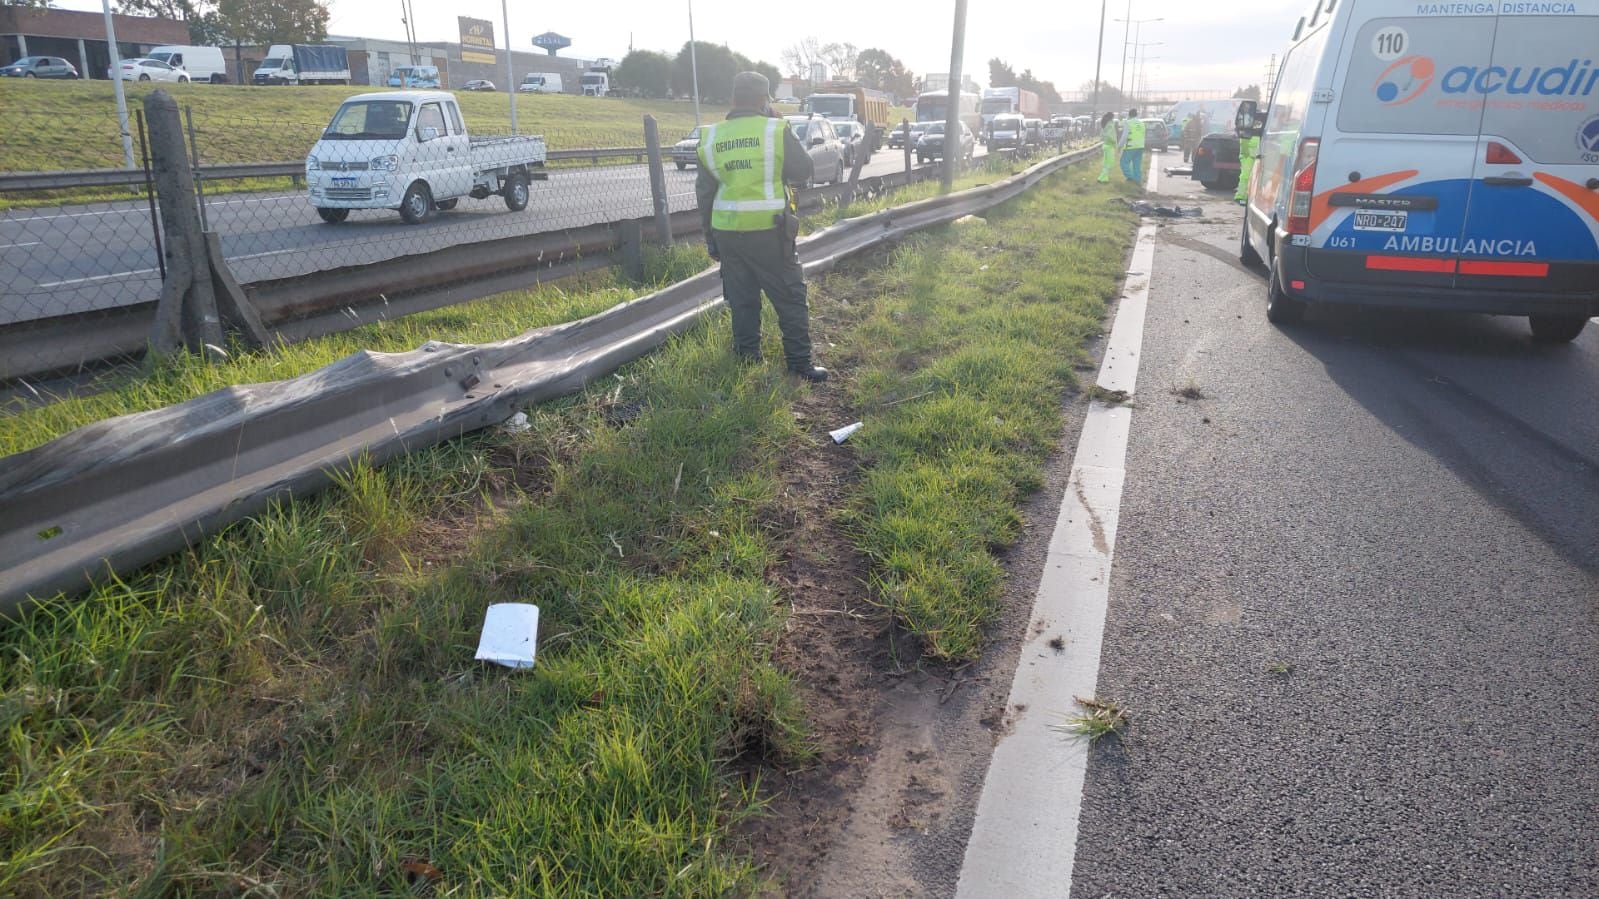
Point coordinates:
[[477, 40]]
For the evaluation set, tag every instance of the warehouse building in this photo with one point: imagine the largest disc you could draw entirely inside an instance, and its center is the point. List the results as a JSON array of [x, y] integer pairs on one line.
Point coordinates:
[[79, 37]]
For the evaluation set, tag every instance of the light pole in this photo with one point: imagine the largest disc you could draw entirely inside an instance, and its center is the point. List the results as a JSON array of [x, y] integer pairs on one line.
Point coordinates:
[[693, 63], [1099, 54], [510, 72], [116, 85], [952, 109], [1136, 27], [1138, 61]]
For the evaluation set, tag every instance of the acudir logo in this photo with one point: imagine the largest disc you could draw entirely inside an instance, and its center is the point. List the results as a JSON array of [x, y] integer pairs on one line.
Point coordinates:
[[1588, 139], [1405, 79]]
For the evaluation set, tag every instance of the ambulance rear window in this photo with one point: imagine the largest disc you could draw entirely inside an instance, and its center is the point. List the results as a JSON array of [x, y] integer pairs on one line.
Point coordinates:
[[1402, 75], [1542, 91]]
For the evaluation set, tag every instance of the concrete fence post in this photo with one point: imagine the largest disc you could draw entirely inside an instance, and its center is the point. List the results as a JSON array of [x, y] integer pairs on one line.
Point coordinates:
[[855, 168], [199, 295], [652, 146], [630, 245], [906, 124]]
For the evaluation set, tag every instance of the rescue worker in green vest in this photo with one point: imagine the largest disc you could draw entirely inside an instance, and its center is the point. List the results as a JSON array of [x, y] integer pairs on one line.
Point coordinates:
[[1132, 146], [1107, 146], [750, 225], [1248, 151]]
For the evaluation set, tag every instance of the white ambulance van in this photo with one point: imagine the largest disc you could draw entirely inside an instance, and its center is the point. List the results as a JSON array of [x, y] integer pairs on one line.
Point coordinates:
[[1436, 155]]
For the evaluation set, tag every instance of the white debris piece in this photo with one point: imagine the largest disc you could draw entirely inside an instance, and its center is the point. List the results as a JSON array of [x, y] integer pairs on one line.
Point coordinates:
[[517, 423], [971, 220], [510, 634], [842, 434]]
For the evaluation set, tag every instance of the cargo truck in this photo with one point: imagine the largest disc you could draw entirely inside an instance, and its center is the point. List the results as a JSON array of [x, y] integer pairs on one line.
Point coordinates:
[[303, 64], [1011, 101], [848, 101]]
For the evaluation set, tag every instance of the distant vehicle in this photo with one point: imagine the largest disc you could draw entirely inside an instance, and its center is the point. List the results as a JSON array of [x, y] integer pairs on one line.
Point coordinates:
[[897, 138], [541, 83], [595, 84], [418, 77], [1059, 129], [844, 101], [480, 84], [853, 134], [1218, 115], [303, 64], [1035, 132], [930, 107], [141, 69], [931, 144], [917, 130], [201, 63], [40, 67], [686, 151], [1157, 137], [1007, 100], [1216, 161], [1436, 161], [1006, 131], [410, 151], [823, 145]]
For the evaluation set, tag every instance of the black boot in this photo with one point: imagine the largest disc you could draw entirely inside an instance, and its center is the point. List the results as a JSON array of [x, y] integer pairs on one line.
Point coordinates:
[[813, 373]]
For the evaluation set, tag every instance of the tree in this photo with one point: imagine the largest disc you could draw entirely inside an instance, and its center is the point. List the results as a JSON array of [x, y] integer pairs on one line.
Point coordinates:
[[1252, 92], [874, 68], [192, 12], [33, 4], [716, 68], [1109, 96], [840, 60], [1000, 74], [799, 58], [646, 73]]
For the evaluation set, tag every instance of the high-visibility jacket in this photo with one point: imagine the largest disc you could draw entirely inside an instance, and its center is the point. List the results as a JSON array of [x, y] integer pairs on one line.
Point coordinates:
[[746, 157], [1107, 134], [1135, 134]]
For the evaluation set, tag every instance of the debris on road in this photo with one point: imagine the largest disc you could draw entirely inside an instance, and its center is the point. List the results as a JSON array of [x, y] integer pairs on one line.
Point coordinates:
[[971, 220], [1143, 207], [517, 423], [843, 434], [510, 634]]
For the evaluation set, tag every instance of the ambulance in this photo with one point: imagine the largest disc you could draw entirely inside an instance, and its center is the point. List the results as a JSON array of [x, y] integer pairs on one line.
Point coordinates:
[[1434, 155]]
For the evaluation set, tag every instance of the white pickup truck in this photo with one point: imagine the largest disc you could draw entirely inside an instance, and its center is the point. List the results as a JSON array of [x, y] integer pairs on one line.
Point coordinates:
[[409, 150]]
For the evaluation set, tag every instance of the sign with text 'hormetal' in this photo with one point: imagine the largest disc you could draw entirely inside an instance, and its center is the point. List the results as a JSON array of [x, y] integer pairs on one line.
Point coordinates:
[[477, 40]]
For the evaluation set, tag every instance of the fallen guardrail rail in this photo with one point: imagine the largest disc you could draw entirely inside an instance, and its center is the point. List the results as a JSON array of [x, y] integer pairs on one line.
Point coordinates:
[[116, 495]]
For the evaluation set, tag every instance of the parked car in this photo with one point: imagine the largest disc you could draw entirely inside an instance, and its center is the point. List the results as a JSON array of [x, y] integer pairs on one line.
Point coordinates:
[[897, 138], [686, 152], [40, 67], [1006, 131], [931, 144], [1157, 134], [853, 134], [141, 69], [481, 84], [418, 77], [410, 151], [823, 145], [203, 64], [1216, 161]]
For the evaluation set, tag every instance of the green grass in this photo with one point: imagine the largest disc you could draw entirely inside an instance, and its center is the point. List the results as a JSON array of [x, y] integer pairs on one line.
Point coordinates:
[[964, 356], [291, 707]]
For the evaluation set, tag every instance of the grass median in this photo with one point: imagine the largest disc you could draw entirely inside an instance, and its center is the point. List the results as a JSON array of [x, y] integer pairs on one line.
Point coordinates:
[[292, 707]]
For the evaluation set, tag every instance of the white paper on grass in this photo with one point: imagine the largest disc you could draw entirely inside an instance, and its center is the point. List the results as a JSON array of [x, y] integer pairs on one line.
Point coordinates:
[[842, 434], [510, 634]]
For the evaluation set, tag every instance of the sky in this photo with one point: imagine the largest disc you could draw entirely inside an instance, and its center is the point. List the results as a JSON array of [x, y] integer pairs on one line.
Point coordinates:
[[1198, 46]]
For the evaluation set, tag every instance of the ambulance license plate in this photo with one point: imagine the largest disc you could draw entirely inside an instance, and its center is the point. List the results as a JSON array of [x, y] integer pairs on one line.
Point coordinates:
[[1381, 221]]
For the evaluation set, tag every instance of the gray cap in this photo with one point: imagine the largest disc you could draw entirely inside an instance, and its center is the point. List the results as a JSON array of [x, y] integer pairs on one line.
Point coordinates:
[[750, 90]]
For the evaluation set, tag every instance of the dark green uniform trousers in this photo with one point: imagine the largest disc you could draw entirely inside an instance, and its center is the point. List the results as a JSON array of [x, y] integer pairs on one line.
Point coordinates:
[[753, 261]]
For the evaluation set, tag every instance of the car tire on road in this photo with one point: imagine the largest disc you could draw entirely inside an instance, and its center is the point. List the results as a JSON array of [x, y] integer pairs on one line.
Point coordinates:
[[1246, 251], [30, 75], [331, 215], [1557, 328], [516, 192], [446, 205], [416, 204], [1281, 309], [144, 77]]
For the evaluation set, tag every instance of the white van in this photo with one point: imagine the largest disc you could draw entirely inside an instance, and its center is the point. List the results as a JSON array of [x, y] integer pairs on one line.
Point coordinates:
[[202, 63], [1434, 155], [541, 83]]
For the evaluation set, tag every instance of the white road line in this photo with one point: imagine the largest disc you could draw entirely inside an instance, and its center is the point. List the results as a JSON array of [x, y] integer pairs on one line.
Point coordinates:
[[1024, 841], [141, 271], [273, 253], [1152, 180]]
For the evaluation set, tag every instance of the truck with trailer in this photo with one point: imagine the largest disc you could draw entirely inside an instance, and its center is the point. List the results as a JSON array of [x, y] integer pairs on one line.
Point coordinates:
[[410, 151], [1010, 101], [303, 64], [932, 105], [847, 101]]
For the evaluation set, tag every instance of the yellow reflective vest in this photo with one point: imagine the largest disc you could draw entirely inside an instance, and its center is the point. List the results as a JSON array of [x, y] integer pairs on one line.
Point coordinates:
[[746, 157], [1107, 134], [1135, 134]]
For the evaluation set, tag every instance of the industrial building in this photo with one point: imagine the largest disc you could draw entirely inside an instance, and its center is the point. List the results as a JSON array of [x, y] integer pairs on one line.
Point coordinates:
[[79, 37]]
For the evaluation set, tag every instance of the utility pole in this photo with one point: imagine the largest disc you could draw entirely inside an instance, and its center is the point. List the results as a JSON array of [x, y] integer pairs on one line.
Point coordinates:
[[116, 85], [1121, 82], [693, 63], [1099, 54], [952, 111], [510, 71]]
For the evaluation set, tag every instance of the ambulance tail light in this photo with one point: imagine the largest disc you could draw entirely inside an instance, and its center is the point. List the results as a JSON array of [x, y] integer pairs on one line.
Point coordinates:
[[1304, 185]]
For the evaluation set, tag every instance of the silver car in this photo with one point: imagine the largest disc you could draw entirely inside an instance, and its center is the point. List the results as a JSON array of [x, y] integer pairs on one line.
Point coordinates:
[[822, 143]]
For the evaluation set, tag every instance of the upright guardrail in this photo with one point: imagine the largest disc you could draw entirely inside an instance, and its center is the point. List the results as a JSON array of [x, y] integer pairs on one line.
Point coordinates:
[[116, 495]]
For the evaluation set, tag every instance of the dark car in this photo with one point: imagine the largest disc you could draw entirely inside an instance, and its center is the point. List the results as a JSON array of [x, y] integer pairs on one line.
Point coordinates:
[[1216, 161], [1157, 134], [931, 144], [40, 67], [897, 138]]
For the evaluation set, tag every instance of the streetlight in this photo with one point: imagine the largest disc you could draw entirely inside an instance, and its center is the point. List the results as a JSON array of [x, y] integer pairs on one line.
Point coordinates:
[[1099, 53], [116, 85], [1139, 59], [693, 63], [1136, 27]]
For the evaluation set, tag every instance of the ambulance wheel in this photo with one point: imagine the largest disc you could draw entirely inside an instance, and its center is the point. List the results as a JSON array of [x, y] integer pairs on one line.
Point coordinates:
[[332, 216], [416, 204], [1557, 328], [1246, 251], [516, 192], [1281, 309]]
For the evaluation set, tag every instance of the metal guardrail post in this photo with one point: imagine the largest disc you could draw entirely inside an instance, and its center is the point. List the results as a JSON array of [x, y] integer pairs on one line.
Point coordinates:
[[652, 147], [187, 313], [855, 170]]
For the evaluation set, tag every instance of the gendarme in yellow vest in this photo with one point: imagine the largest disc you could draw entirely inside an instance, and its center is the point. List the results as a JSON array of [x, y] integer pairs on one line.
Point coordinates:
[[1135, 134], [746, 156]]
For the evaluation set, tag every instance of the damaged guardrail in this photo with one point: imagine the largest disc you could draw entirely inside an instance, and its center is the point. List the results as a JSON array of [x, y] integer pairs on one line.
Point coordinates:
[[116, 495]]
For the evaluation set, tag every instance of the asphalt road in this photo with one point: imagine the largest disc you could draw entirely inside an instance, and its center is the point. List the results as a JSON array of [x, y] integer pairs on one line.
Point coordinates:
[[1354, 608], [59, 260]]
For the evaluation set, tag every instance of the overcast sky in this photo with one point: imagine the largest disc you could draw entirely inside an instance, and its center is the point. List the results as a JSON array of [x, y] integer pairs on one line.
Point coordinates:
[[1200, 45]]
